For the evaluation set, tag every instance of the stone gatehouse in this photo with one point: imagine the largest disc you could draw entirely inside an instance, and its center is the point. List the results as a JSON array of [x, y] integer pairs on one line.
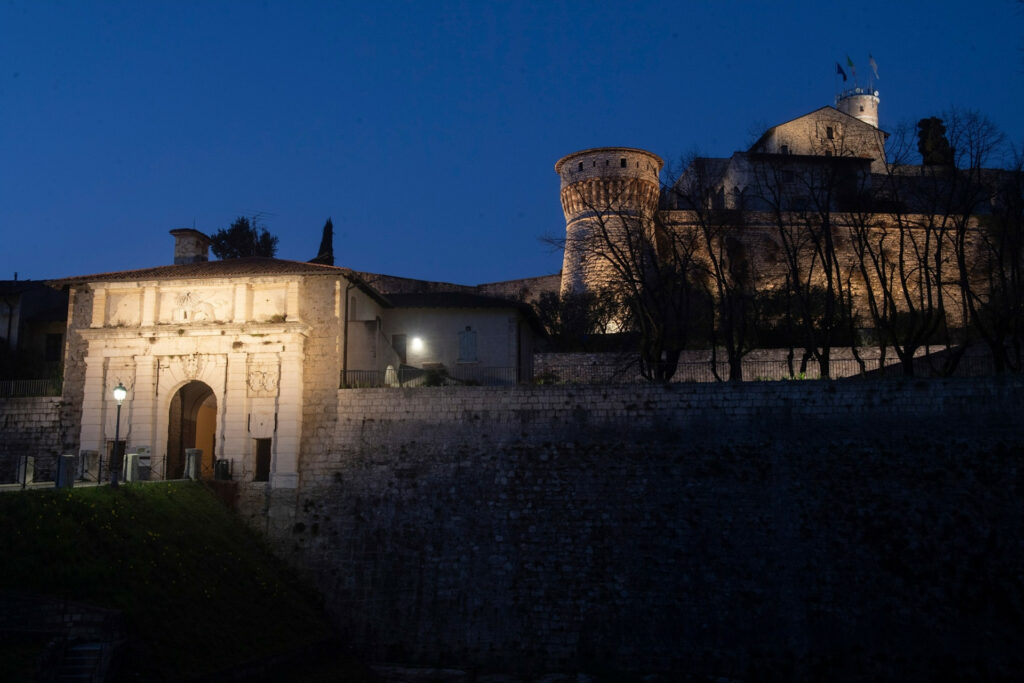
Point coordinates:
[[237, 357]]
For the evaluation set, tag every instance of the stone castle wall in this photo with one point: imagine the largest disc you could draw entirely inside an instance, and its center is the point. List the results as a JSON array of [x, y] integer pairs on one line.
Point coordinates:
[[799, 527], [30, 426]]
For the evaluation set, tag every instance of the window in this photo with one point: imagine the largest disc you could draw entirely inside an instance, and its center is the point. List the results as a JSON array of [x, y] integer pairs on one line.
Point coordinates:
[[262, 460], [785, 149], [829, 134], [467, 345], [580, 167], [622, 163], [828, 152], [862, 108]]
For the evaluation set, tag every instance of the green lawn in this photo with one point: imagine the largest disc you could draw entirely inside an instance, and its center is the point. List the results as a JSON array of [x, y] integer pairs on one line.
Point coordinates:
[[199, 590]]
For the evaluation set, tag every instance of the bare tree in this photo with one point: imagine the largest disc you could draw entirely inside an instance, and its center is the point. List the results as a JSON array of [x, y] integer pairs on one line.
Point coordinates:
[[722, 263], [902, 256], [645, 268], [801, 195]]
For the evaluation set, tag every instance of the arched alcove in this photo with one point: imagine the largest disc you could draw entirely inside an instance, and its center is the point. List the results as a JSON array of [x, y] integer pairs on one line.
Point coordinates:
[[191, 423]]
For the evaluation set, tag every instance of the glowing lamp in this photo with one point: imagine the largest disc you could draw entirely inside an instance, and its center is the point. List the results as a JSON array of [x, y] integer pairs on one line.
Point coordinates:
[[120, 393]]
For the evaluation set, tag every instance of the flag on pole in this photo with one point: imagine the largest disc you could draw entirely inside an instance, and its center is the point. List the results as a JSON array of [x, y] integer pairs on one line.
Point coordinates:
[[874, 65], [839, 70], [853, 69]]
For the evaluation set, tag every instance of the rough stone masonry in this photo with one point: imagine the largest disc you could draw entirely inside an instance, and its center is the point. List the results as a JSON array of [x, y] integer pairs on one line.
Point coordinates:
[[784, 528]]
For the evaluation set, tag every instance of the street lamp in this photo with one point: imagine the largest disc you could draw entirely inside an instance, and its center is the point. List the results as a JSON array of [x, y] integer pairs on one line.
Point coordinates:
[[119, 395]]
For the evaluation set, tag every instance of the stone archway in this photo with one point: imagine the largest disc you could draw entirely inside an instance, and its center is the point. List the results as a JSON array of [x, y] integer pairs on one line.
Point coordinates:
[[191, 423]]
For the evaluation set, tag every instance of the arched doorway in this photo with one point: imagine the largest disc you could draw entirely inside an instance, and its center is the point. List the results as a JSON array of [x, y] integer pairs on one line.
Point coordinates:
[[192, 423]]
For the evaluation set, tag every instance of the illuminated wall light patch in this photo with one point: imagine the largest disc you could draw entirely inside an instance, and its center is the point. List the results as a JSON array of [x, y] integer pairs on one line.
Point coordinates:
[[416, 344]]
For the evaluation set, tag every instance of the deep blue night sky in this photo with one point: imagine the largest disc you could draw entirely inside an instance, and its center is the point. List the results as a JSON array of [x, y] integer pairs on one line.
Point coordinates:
[[428, 131]]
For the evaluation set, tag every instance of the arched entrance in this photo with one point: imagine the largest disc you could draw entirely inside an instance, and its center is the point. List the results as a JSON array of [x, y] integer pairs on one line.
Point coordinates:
[[192, 423]]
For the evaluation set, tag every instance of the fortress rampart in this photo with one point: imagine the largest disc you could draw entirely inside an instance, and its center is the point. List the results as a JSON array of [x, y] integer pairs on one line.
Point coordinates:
[[713, 529]]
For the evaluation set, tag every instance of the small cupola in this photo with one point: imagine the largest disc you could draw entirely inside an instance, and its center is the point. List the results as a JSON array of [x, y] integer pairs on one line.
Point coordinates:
[[190, 246]]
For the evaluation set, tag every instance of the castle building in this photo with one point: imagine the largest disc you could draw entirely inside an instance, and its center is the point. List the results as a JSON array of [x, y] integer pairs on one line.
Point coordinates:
[[236, 358], [826, 167]]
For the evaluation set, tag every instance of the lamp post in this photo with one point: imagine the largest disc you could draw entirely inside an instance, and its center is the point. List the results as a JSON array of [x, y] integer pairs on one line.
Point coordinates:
[[119, 395]]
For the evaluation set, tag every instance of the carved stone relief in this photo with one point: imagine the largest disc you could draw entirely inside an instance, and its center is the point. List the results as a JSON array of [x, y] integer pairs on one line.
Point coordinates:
[[262, 379], [192, 365], [194, 307]]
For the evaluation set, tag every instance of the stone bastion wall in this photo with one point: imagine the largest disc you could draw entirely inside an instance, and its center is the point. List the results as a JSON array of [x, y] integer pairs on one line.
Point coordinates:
[[34, 427], [784, 529]]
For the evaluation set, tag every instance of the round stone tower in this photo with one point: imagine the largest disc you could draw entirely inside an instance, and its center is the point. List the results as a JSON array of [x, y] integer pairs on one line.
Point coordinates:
[[605, 191], [859, 103]]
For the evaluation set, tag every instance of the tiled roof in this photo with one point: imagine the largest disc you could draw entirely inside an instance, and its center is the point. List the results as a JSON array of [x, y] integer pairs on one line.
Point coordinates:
[[239, 267], [254, 265]]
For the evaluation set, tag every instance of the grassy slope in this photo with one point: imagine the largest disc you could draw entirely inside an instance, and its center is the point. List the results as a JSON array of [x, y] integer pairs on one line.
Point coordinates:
[[199, 590]]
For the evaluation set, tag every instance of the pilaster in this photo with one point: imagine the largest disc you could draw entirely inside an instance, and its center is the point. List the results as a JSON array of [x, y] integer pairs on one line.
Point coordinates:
[[149, 306], [143, 408], [240, 310], [233, 436], [99, 307], [92, 404], [285, 467]]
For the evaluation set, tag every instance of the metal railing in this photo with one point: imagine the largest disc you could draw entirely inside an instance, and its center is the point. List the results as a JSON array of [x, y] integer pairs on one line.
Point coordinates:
[[18, 388], [406, 376]]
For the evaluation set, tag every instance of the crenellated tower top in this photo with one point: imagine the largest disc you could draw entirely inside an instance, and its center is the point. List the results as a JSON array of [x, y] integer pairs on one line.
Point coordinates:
[[860, 103], [604, 187]]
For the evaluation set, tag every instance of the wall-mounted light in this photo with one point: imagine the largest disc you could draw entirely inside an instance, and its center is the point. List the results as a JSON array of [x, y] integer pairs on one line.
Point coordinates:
[[417, 344]]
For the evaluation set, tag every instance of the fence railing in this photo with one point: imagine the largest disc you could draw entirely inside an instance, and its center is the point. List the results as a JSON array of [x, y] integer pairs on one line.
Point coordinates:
[[17, 388], [406, 376]]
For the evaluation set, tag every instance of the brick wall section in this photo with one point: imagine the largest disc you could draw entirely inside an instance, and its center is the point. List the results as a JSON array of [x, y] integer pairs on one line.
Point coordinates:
[[30, 426], [797, 527]]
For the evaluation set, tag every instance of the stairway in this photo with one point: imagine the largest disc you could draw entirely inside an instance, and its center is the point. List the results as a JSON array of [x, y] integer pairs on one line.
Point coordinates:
[[82, 662]]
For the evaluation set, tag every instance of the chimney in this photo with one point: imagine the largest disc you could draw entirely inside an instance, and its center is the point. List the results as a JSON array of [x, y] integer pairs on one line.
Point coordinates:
[[190, 246]]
